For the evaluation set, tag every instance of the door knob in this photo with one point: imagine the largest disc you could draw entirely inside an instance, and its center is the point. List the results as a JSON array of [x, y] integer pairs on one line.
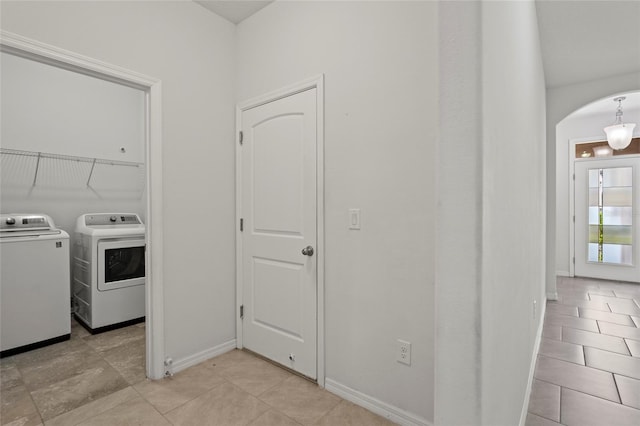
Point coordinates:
[[307, 251]]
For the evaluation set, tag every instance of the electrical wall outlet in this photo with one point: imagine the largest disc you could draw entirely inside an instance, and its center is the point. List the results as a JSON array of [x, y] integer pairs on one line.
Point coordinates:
[[404, 352]]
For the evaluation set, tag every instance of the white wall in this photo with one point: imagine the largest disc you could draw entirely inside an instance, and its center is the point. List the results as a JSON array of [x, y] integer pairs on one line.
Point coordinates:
[[49, 109], [380, 135], [562, 101], [513, 179], [491, 213], [192, 52], [576, 127], [458, 240]]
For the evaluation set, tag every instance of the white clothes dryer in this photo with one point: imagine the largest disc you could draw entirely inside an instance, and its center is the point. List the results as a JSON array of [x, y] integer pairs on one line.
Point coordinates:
[[34, 283], [109, 270]]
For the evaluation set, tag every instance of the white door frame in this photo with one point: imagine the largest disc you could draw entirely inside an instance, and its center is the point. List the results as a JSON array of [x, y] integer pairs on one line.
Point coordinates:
[[572, 200], [316, 82], [45, 53], [572, 194], [610, 271]]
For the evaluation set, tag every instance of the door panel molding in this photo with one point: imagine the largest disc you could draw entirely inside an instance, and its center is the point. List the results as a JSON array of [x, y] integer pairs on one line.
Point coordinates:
[[316, 82]]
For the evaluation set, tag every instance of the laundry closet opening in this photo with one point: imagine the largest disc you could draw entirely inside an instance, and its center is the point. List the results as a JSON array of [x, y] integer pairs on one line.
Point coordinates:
[[75, 151]]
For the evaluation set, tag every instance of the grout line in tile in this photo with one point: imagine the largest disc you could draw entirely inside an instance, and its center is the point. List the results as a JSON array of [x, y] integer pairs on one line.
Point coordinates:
[[594, 396], [615, 382], [259, 396], [625, 376], [544, 417], [616, 323], [610, 372], [600, 349], [256, 397], [624, 340], [199, 395], [293, 420], [152, 406], [36, 406], [576, 390], [563, 359], [560, 410]]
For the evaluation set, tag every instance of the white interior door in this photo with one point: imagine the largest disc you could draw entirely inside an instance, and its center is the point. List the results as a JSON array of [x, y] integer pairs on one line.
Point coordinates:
[[607, 218], [279, 265]]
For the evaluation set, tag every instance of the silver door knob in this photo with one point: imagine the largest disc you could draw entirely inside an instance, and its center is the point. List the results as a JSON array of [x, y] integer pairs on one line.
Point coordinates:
[[307, 251]]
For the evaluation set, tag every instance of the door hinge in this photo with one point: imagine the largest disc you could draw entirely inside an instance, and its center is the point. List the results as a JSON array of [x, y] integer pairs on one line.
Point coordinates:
[[574, 260], [241, 311], [241, 224], [574, 219], [241, 137]]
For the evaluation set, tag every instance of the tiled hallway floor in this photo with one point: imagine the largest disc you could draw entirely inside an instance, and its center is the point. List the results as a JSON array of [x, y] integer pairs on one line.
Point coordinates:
[[588, 367], [99, 380]]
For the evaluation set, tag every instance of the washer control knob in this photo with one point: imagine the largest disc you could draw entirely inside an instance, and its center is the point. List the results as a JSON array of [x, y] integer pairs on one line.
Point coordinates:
[[113, 218], [11, 221]]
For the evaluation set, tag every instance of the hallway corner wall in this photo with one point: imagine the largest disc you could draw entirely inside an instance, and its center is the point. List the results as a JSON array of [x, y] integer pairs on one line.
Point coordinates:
[[458, 241], [514, 195], [492, 127]]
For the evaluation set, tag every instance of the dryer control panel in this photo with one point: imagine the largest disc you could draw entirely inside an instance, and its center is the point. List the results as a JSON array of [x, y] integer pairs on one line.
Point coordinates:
[[112, 219]]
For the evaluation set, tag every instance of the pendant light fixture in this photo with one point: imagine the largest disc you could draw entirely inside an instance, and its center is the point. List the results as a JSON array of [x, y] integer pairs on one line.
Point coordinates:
[[619, 134]]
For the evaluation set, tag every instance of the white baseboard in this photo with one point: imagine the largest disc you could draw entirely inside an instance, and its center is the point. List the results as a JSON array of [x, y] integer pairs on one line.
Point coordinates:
[[552, 295], [563, 274], [197, 358], [532, 367], [383, 409]]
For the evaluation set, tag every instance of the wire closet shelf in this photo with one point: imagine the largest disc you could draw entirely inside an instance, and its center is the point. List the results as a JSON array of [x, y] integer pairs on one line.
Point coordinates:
[[43, 168]]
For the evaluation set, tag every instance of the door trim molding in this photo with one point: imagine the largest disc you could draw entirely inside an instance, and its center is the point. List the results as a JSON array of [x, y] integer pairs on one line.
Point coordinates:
[[572, 201], [614, 270], [31, 49], [316, 82]]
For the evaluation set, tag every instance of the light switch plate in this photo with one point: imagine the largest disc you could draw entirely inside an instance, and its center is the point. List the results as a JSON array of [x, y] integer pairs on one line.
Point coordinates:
[[354, 218]]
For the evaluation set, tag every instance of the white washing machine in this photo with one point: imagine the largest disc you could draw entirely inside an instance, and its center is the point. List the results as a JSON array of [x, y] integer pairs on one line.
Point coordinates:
[[109, 270], [34, 283]]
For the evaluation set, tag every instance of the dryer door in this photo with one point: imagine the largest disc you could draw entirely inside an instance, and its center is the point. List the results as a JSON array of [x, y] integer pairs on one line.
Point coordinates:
[[120, 263]]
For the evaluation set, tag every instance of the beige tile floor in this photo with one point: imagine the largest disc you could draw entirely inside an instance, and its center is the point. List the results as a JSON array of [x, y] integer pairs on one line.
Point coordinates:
[[99, 380], [588, 369]]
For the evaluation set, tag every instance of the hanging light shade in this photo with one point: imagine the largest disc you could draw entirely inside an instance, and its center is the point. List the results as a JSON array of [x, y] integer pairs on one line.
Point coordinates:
[[619, 134]]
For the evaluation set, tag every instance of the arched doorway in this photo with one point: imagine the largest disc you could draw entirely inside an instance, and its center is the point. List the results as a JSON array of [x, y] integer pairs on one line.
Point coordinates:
[[580, 143]]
